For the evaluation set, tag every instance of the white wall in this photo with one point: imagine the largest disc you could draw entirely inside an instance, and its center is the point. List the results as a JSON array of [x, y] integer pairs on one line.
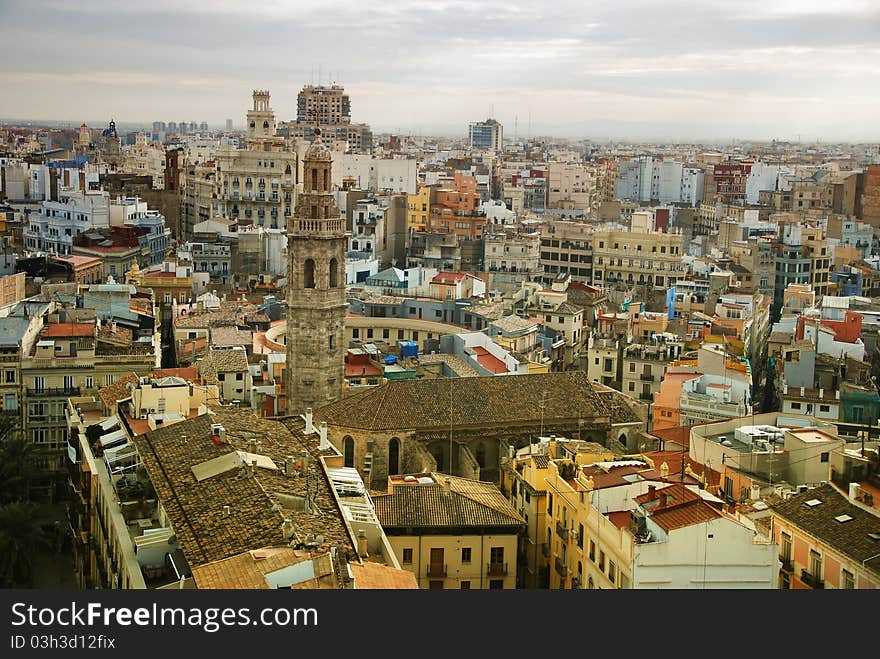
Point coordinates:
[[691, 559]]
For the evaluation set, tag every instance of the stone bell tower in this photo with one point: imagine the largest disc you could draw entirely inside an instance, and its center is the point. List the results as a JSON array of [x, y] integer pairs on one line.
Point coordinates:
[[316, 303]]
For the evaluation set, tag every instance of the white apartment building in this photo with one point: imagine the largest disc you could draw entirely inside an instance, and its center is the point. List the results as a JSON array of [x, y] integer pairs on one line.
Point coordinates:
[[53, 229]]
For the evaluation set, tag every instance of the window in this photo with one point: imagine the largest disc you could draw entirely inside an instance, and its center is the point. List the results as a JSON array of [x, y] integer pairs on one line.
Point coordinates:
[[612, 571], [407, 556], [309, 273], [823, 457], [816, 565], [109, 379], [370, 333], [795, 406], [355, 333], [592, 554], [68, 382], [496, 555], [847, 580], [465, 554], [334, 273], [496, 584], [39, 384], [465, 585], [601, 562], [348, 450], [785, 547], [824, 408], [394, 456], [581, 536], [10, 376]]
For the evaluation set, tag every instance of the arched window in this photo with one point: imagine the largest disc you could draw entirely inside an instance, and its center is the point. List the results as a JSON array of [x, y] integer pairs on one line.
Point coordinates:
[[481, 454], [348, 450], [326, 181], [330, 342], [622, 439], [393, 456], [315, 179], [309, 273], [253, 125], [265, 124], [334, 273], [287, 169]]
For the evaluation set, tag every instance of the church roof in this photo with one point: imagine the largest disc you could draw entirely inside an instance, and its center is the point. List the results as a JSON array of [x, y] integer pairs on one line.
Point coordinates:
[[491, 400]]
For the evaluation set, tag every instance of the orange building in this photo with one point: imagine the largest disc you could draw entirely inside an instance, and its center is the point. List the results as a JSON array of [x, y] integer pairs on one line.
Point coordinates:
[[667, 403], [86, 269], [826, 540], [455, 209]]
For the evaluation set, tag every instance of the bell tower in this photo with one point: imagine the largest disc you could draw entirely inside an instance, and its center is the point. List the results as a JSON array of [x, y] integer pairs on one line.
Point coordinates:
[[261, 119], [316, 303]]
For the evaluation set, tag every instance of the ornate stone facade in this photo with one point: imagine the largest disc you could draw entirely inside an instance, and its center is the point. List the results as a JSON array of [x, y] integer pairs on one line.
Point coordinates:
[[316, 301]]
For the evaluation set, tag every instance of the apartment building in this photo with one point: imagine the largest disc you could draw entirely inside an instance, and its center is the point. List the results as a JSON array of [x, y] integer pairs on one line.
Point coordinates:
[[54, 228], [567, 247], [468, 540], [827, 540], [652, 259], [622, 524], [328, 107], [644, 365]]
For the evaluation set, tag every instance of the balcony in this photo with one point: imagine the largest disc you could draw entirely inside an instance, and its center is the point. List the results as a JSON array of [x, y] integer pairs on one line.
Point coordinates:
[[561, 531], [496, 569], [54, 391], [561, 567], [812, 581], [787, 564], [644, 396], [647, 377], [545, 549], [437, 571]]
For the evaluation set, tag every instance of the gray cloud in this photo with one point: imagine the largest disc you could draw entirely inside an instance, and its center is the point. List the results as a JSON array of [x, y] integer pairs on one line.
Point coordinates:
[[643, 68]]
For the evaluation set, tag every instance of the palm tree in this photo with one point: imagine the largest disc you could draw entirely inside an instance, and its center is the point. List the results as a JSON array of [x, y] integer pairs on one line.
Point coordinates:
[[17, 467], [22, 537]]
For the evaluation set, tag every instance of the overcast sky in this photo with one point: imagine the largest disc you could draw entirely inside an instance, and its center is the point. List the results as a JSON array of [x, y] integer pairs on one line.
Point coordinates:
[[744, 69]]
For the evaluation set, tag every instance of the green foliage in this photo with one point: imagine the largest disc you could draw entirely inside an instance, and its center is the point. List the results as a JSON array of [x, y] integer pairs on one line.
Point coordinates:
[[22, 537], [17, 467]]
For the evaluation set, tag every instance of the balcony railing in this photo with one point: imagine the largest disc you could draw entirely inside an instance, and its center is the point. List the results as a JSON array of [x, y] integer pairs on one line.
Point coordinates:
[[647, 377], [561, 531], [496, 569], [437, 570], [811, 580], [787, 564], [644, 396], [561, 567], [54, 391]]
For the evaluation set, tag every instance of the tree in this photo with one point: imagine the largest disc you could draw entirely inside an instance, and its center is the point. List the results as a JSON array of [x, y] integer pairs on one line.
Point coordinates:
[[22, 537], [17, 468]]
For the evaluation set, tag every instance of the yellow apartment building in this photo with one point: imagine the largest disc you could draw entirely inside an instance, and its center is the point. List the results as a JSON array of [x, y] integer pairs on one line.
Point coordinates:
[[451, 532]]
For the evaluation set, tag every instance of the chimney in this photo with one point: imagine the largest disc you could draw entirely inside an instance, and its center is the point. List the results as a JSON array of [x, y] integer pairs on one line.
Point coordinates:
[[664, 470], [663, 498], [821, 393], [287, 529], [446, 483], [651, 491], [362, 544], [227, 510], [324, 444], [854, 491], [253, 446], [309, 427]]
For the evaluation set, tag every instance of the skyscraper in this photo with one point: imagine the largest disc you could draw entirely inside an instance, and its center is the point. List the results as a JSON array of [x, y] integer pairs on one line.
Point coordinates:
[[316, 304], [486, 135]]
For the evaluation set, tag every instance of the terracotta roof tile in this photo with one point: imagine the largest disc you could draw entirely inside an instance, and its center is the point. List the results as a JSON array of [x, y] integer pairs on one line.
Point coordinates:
[[467, 503], [477, 400], [850, 538]]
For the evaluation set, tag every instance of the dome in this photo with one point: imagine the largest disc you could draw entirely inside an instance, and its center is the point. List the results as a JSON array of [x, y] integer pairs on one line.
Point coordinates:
[[317, 150]]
